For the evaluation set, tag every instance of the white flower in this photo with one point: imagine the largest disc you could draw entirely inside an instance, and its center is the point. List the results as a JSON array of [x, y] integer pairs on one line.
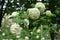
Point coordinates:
[[26, 38], [38, 30], [12, 1], [16, 29], [31, 32], [42, 38], [37, 36], [6, 21], [48, 13], [18, 3], [4, 6], [3, 34], [34, 13], [39, 0], [6, 1], [18, 36], [40, 6], [26, 21], [15, 14]]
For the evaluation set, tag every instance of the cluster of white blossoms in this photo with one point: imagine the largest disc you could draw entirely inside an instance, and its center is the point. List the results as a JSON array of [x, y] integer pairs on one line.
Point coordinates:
[[48, 13], [15, 29], [40, 6], [6, 21], [34, 13], [15, 14], [26, 22]]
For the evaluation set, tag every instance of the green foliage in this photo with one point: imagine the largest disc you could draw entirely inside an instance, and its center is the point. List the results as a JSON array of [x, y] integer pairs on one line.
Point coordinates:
[[37, 29]]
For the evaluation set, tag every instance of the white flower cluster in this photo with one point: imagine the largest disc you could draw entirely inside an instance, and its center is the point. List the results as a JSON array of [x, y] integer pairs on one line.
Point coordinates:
[[16, 29], [48, 13], [40, 6], [15, 14], [34, 13], [6, 21], [26, 21]]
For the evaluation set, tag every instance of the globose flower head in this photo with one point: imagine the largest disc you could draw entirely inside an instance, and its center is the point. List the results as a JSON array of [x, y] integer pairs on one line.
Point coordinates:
[[40, 6], [34, 13]]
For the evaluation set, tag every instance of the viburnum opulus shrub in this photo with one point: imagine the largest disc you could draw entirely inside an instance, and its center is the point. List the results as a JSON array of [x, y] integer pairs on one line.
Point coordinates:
[[31, 24]]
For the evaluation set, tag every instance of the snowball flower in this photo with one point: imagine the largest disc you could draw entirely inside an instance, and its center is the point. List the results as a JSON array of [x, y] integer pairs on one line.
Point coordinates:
[[6, 21], [16, 29], [34, 13], [48, 13], [40, 6], [15, 14], [26, 21]]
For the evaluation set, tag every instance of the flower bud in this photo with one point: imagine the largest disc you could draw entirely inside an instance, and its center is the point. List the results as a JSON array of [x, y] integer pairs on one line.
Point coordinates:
[[48, 13]]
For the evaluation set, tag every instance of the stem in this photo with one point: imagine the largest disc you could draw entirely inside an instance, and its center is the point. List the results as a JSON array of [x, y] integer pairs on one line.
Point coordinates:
[[41, 32]]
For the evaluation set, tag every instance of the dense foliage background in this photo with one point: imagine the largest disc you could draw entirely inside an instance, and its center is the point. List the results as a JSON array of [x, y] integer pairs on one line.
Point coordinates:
[[46, 27]]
